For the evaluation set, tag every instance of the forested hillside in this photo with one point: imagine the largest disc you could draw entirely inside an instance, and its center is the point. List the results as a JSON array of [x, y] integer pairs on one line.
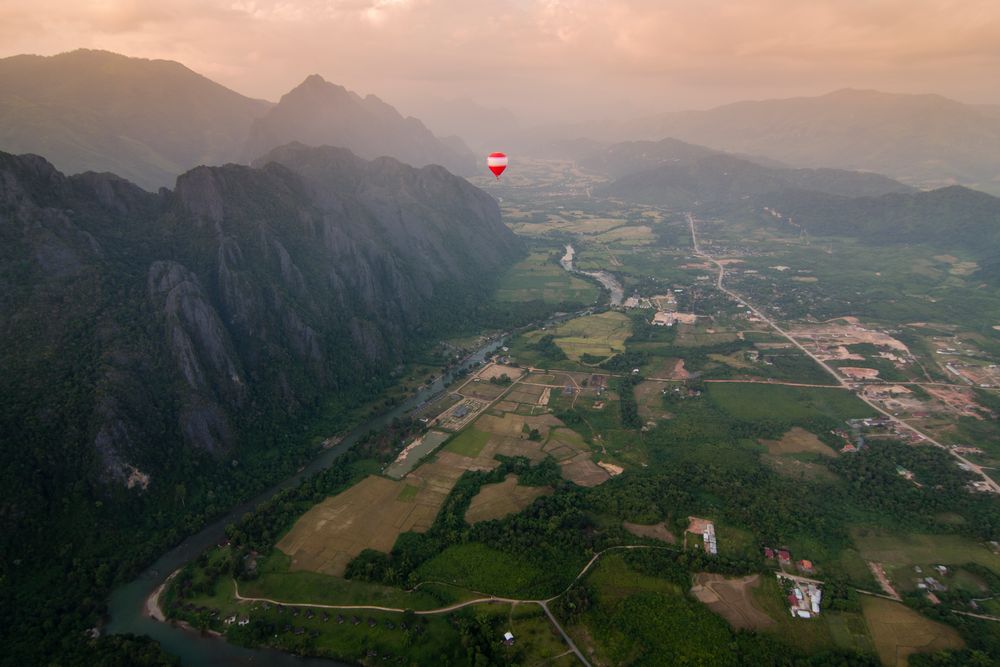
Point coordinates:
[[158, 349]]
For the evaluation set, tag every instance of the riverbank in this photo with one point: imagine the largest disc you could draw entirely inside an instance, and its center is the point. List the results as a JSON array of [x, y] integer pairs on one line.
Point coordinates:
[[153, 601], [609, 282]]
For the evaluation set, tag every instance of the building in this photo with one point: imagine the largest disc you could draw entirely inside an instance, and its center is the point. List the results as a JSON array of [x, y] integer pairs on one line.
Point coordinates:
[[508, 638], [784, 557], [805, 566]]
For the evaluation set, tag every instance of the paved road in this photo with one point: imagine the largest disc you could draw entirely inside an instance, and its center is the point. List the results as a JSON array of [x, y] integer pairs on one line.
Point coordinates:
[[990, 482]]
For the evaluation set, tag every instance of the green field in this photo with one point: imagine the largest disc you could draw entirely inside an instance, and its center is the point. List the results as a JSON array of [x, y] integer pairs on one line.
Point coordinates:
[[602, 335], [480, 568], [913, 549], [794, 404], [538, 278], [468, 443], [277, 582]]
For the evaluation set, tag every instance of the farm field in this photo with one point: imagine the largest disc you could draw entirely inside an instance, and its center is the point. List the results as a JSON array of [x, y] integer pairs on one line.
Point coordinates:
[[797, 441], [760, 401], [369, 515], [914, 549], [538, 278], [732, 599], [495, 501], [601, 336], [898, 632]]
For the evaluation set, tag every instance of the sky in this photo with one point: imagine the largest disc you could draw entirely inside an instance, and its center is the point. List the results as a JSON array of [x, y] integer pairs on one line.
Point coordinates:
[[546, 60]]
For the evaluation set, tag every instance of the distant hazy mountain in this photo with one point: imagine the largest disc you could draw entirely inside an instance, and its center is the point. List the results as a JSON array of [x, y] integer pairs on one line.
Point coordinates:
[[146, 120], [954, 216], [629, 157], [698, 176], [924, 140], [484, 127], [319, 113]]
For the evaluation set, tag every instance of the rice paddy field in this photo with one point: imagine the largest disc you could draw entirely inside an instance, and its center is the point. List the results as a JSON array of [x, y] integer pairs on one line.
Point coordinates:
[[602, 335], [537, 278]]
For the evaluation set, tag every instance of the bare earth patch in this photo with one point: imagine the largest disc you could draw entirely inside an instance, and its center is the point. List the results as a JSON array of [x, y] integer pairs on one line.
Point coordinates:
[[859, 373], [798, 440], [656, 531], [495, 501], [498, 370], [581, 470], [731, 599]]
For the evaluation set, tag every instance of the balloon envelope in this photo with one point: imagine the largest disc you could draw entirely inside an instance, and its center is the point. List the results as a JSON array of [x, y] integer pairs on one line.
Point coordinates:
[[497, 162]]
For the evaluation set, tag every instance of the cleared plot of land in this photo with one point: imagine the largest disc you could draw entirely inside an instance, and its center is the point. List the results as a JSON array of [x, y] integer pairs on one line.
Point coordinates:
[[495, 501], [416, 450], [536, 278], [732, 600], [798, 440], [802, 470], [899, 632], [649, 397], [656, 531], [499, 370], [584, 472]]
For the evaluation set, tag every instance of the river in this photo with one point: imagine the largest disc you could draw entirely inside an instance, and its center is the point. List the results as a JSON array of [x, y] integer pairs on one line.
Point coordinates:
[[609, 281], [127, 605]]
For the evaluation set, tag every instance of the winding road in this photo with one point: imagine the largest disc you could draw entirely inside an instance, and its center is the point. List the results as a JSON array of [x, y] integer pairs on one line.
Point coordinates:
[[990, 482]]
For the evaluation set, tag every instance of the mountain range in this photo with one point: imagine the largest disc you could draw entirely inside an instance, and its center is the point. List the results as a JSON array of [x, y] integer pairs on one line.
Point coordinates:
[[150, 120], [676, 174], [319, 113], [158, 349], [922, 140]]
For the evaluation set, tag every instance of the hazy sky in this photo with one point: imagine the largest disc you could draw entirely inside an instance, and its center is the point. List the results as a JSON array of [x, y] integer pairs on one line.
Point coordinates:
[[579, 58]]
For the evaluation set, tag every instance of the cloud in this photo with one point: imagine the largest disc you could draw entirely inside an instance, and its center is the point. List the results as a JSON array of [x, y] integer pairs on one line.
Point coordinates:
[[578, 57]]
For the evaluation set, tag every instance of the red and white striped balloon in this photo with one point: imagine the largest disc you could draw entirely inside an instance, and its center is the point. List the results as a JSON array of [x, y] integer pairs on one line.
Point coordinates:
[[497, 162]]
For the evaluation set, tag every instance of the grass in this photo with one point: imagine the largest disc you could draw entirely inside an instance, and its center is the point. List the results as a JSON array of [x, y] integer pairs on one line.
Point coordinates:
[[910, 549], [478, 567], [899, 632], [538, 279], [756, 402], [278, 583], [408, 493], [468, 443]]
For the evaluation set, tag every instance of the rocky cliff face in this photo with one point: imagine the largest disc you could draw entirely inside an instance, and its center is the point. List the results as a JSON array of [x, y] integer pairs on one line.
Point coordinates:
[[320, 113], [132, 324]]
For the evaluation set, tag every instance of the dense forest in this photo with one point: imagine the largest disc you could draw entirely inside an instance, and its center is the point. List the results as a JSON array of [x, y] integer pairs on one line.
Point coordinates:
[[168, 355]]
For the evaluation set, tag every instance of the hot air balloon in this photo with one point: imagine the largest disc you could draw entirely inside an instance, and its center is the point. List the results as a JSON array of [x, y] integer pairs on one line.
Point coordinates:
[[497, 162]]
